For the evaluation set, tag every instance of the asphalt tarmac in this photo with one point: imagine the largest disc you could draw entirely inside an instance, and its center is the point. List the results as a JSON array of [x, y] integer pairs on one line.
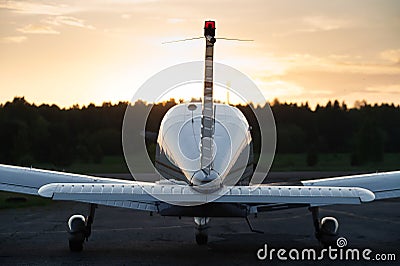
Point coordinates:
[[37, 236]]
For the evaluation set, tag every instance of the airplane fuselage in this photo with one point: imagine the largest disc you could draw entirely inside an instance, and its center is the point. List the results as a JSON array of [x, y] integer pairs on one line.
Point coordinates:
[[178, 154]]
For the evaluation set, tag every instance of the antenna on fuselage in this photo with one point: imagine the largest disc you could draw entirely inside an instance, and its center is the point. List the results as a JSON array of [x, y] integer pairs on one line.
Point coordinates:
[[201, 37]]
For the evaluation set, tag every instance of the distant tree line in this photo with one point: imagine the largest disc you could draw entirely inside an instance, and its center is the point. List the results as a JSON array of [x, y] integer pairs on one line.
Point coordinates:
[[366, 131], [48, 134]]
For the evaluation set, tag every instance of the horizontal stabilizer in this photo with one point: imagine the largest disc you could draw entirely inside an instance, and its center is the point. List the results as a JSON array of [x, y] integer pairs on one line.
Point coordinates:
[[93, 192]]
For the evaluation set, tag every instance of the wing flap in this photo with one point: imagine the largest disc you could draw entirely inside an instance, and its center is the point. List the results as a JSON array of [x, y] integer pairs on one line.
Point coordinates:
[[18, 189]]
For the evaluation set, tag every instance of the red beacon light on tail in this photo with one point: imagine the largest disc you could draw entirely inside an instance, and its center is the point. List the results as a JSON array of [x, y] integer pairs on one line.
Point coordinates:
[[209, 28]]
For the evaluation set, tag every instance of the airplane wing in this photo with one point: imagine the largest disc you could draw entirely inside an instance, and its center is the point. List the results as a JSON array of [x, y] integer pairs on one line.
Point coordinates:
[[29, 180], [135, 195], [383, 185]]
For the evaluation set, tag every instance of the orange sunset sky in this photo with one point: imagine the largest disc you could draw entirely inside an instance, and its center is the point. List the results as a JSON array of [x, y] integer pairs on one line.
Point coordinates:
[[68, 52]]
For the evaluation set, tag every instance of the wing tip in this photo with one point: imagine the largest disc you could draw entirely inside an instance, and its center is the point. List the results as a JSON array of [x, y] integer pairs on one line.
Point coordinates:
[[365, 195], [47, 191]]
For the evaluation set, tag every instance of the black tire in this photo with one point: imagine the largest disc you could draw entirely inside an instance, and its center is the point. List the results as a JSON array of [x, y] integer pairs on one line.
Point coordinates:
[[201, 239], [75, 246], [327, 240]]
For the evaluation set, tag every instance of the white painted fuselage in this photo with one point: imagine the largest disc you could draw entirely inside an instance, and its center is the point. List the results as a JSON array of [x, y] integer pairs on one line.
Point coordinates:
[[180, 136]]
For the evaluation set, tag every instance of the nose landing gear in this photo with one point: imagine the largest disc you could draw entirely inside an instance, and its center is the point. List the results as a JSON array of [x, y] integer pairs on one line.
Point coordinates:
[[201, 232]]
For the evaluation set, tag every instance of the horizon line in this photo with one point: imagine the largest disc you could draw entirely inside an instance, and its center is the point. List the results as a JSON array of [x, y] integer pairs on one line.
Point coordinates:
[[356, 105]]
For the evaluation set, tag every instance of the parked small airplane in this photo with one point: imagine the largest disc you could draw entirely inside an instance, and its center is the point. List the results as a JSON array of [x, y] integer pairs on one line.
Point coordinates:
[[210, 186]]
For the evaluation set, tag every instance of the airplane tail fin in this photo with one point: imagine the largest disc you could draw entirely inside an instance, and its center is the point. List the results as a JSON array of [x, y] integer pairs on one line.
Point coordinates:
[[207, 121]]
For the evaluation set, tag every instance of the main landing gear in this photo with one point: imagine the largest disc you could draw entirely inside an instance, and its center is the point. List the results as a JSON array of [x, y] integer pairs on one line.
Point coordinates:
[[326, 230], [80, 228]]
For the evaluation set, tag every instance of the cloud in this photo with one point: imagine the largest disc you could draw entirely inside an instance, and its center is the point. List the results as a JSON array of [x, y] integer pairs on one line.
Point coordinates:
[[31, 7], [126, 16], [63, 7], [123, 2], [278, 88], [321, 23], [314, 24], [391, 55], [306, 77], [388, 89], [38, 29], [13, 39], [289, 91], [336, 64], [175, 20], [375, 94], [69, 21]]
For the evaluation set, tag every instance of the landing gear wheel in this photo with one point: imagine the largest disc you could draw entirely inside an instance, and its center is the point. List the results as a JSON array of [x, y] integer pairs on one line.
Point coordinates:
[[326, 229], [328, 232], [75, 246], [201, 239], [327, 241], [79, 229]]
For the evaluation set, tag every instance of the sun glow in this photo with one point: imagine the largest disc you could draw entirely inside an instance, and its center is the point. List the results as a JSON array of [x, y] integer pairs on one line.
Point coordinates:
[[82, 52]]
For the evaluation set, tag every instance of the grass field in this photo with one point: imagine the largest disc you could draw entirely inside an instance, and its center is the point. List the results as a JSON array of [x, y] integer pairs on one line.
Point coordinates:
[[333, 162], [16, 200], [109, 164]]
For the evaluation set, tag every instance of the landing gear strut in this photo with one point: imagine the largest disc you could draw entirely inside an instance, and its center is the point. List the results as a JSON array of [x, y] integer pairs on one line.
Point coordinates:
[[80, 228], [326, 230], [201, 230]]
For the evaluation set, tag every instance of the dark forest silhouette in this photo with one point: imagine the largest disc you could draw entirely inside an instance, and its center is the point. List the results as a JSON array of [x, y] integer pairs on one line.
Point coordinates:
[[47, 134]]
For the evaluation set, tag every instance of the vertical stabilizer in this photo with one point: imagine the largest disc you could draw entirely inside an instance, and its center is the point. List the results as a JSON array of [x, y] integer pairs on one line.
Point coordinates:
[[207, 120]]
